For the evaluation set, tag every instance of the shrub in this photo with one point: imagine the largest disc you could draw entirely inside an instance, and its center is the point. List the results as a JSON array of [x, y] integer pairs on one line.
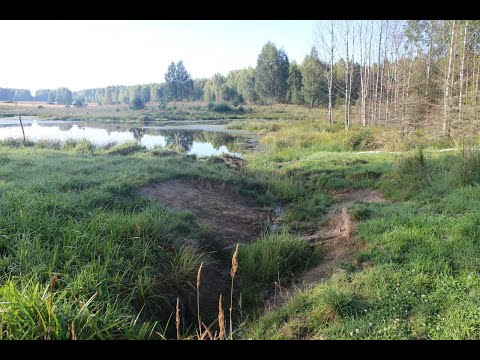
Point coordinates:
[[238, 100], [222, 107], [48, 144], [15, 143], [79, 103], [125, 149], [137, 103], [362, 140], [84, 147]]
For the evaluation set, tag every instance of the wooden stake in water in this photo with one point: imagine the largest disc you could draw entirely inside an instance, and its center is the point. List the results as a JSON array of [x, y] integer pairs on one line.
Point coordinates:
[[21, 124]]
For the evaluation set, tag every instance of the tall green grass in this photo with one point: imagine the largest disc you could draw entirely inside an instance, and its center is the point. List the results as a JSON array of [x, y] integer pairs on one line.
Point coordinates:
[[78, 217], [422, 254]]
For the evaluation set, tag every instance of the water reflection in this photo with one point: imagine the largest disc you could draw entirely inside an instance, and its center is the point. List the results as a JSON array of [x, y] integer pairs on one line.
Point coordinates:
[[198, 142]]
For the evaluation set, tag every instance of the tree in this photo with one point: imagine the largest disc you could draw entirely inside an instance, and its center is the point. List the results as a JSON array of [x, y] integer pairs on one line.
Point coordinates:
[[51, 96], [137, 103], [246, 84], [80, 102], [124, 95], [312, 78], [198, 89], [179, 84], [448, 85], [213, 88], [107, 98], [294, 82], [42, 95], [271, 73], [63, 96]]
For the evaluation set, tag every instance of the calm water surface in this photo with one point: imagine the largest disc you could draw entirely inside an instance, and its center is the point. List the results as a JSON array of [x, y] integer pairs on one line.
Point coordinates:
[[197, 139]]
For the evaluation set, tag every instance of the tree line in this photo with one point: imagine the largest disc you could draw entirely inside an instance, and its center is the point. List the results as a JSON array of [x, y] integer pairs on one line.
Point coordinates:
[[408, 74], [61, 95]]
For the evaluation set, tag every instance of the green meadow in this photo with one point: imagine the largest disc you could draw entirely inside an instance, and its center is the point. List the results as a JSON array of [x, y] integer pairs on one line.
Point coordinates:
[[84, 255]]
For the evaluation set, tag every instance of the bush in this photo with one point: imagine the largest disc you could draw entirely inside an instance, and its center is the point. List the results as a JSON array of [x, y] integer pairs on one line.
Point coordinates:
[[238, 100], [125, 149], [84, 147], [362, 140], [16, 143], [79, 103], [222, 107], [162, 152], [48, 144], [137, 103]]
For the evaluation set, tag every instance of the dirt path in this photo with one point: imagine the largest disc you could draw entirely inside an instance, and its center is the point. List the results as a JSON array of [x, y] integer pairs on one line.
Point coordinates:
[[335, 240]]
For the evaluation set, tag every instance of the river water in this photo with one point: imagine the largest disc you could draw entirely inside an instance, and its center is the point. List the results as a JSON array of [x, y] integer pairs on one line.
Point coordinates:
[[202, 140]]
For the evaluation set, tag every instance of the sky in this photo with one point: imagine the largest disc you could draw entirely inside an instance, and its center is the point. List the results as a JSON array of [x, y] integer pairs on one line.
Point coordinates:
[[82, 54]]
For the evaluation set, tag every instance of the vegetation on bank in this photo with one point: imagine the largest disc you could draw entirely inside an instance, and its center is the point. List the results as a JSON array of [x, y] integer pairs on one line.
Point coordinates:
[[83, 255], [178, 111], [421, 282]]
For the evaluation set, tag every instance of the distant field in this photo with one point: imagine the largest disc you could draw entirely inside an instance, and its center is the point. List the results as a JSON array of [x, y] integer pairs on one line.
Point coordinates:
[[38, 103]]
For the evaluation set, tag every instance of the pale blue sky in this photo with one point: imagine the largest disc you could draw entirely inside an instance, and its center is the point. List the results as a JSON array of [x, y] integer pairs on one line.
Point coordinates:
[[87, 54]]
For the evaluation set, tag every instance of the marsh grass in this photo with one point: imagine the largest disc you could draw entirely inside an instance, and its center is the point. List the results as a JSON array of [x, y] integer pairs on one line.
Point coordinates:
[[467, 170], [421, 252], [120, 262], [79, 217]]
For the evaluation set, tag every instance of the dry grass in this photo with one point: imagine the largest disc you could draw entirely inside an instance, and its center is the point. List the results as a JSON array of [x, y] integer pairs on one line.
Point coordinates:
[[221, 319], [204, 332], [347, 223], [177, 319], [199, 275], [232, 274]]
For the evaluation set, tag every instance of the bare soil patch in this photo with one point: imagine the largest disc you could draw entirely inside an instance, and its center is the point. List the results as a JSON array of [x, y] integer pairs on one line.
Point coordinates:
[[232, 218]]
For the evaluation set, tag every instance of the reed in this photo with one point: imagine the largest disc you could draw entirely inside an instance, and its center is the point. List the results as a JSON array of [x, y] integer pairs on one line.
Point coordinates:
[[232, 275], [221, 319], [199, 275], [177, 319], [72, 331]]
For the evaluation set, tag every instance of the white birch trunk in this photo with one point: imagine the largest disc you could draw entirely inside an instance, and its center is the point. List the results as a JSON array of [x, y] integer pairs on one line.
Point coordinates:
[[446, 114], [462, 69]]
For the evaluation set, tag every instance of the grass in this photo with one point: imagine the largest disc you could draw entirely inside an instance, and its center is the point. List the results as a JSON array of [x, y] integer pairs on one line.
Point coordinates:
[[83, 255], [77, 216], [73, 212], [422, 282], [172, 111], [272, 258]]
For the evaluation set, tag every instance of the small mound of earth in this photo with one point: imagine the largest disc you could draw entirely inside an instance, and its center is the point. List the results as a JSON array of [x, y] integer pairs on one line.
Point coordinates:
[[231, 217]]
